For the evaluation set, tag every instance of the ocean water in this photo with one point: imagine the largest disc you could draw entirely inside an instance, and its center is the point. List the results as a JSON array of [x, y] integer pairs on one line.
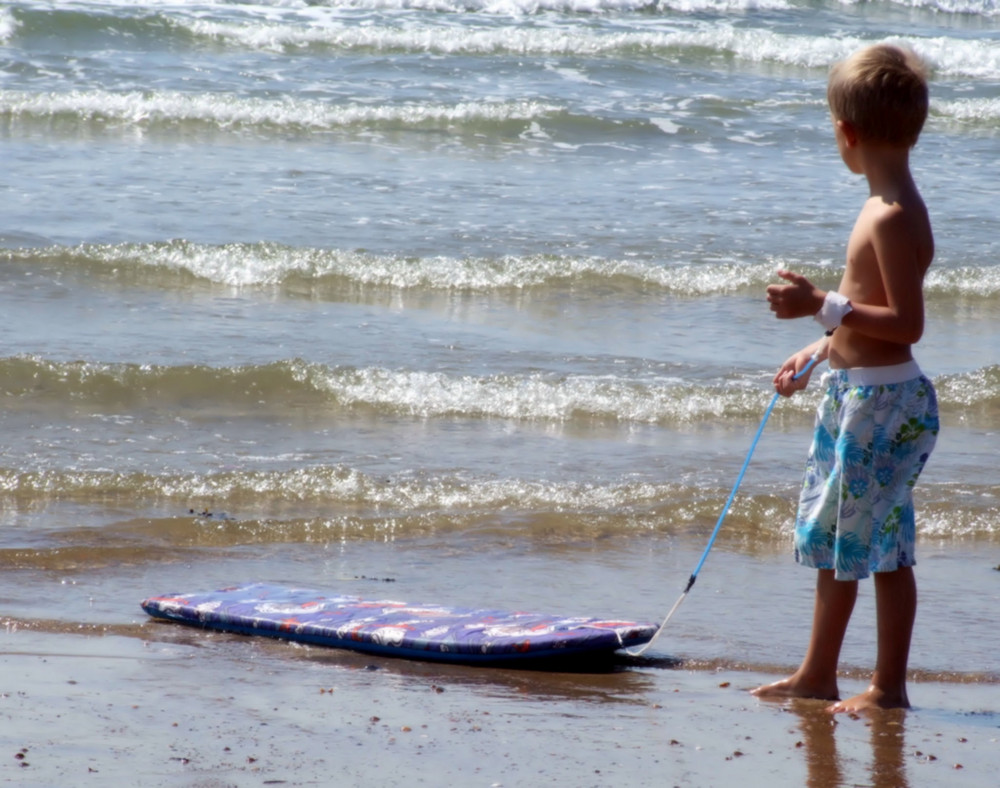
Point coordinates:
[[465, 295]]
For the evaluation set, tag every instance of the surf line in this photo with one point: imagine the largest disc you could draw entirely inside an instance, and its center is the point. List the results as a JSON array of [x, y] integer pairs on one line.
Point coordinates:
[[638, 652]]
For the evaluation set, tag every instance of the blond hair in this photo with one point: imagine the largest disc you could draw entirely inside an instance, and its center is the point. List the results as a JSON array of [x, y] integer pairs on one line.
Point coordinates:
[[882, 92]]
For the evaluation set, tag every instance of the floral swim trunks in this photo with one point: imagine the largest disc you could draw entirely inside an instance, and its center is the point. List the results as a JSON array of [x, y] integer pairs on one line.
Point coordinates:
[[875, 429]]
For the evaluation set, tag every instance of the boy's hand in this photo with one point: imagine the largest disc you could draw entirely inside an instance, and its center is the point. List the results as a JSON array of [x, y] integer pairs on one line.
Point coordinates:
[[785, 382], [800, 298]]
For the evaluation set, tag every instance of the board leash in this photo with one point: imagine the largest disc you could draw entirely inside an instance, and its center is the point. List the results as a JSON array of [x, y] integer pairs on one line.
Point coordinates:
[[638, 652]]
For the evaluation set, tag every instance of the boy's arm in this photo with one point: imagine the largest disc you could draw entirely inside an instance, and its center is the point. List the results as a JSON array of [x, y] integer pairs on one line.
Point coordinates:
[[901, 319], [898, 255]]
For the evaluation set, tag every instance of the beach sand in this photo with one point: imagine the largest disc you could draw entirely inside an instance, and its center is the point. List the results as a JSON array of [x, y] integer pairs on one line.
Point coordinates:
[[178, 707]]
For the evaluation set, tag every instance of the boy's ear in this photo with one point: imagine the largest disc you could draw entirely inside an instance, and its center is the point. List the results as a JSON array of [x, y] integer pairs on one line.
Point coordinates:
[[849, 131]]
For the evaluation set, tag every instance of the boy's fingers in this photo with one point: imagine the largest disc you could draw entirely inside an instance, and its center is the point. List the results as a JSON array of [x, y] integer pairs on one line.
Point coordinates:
[[776, 296]]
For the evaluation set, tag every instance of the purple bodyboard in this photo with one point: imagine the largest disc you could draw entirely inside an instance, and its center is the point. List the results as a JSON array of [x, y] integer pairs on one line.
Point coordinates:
[[393, 628]]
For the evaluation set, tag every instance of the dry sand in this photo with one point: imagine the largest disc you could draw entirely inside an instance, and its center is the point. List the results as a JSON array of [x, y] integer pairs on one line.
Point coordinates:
[[176, 707]]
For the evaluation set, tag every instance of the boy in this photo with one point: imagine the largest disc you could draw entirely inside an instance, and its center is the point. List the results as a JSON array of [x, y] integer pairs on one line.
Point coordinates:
[[877, 422]]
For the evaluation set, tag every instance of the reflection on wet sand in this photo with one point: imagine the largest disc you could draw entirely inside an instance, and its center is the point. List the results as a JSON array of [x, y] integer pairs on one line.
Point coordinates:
[[825, 768]]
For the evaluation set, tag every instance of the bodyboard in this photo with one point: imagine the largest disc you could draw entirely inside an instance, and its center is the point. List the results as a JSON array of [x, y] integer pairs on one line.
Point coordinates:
[[392, 628]]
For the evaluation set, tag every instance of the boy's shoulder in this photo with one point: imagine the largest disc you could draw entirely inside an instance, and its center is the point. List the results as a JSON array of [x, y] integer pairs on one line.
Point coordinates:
[[906, 209], [897, 227], [898, 204]]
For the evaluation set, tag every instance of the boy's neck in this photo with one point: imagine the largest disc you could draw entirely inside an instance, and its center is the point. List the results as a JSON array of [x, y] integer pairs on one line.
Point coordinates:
[[887, 169]]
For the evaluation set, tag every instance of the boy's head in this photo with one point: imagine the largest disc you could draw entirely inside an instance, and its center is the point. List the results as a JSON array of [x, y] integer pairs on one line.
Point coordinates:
[[882, 92]]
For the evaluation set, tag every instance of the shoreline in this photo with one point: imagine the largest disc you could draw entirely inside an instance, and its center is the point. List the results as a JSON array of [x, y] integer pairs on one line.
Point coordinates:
[[227, 710], [158, 632]]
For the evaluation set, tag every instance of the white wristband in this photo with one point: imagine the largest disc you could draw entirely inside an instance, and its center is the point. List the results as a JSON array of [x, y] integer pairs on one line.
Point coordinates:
[[835, 306]]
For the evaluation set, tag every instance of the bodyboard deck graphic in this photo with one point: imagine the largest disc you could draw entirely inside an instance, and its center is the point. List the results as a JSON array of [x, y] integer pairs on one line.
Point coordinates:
[[393, 628]]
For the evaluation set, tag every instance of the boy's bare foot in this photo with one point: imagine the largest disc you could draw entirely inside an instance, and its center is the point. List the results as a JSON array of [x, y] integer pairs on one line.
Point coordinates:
[[872, 698], [794, 687]]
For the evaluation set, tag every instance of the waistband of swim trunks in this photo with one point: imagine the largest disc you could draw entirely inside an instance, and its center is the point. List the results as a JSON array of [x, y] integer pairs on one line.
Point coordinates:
[[879, 376]]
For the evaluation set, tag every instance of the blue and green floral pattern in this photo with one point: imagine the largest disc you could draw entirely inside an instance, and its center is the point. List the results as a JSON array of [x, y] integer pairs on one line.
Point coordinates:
[[856, 506]]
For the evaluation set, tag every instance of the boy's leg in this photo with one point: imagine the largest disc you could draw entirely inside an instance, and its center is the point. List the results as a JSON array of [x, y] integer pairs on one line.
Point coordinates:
[[896, 608], [817, 675]]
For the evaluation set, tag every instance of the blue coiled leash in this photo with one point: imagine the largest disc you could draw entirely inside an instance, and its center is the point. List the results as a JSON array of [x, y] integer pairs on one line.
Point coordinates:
[[725, 510]]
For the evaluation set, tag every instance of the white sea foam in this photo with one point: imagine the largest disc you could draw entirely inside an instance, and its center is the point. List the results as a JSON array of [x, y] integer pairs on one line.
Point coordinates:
[[422, 37], [982, 282], [665, 125], [986, 8], [266, 264], [8, 25], [723, 6], [986, 110], [261, 6], [977, 57], [538, 396], [228, 111], [950, 56], [528, 7]]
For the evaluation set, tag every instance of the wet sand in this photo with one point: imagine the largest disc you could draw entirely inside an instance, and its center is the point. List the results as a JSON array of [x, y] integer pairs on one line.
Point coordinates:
[[163, 705]]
